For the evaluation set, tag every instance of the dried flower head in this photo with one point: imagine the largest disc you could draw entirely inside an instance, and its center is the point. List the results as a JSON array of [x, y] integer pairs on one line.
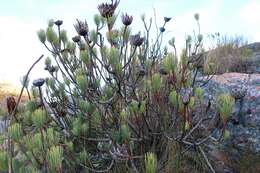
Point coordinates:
[[136, 40], [126, 19], [107, 10], [58, 22], [11, 103], [81, 27]]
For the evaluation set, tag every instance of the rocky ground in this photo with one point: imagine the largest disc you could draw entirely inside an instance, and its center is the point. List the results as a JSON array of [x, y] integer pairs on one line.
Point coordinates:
[[241, 152]]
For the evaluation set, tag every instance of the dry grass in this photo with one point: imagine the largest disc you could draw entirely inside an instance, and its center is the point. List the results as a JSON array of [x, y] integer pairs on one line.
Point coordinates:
[[228, 54]]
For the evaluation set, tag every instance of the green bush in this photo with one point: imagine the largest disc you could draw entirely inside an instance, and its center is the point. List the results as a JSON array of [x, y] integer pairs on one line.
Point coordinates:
[[114, 102]]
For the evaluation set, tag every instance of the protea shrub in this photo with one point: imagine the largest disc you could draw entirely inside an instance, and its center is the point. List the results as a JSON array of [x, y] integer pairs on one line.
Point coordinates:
[[114, 101]]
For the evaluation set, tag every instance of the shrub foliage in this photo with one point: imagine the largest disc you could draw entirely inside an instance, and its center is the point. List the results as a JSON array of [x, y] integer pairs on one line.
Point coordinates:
[[115, 101]]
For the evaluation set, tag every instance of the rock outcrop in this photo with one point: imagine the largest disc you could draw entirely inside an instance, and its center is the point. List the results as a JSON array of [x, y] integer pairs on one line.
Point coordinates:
[[244, 125]]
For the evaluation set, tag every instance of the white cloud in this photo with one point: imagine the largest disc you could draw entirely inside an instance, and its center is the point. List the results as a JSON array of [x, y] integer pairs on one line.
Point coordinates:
[[250, 16]]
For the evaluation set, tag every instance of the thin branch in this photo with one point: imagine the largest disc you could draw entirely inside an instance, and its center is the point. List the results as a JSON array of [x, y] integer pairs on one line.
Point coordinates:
[[21, 93]]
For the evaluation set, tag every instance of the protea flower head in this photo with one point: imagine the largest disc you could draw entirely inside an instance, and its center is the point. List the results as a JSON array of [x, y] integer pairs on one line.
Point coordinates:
[[162, 29], [185, 95], [58, 22], [107, 10], [81, 27], [238, 92], [197, 16], [136, 40], [76, 39], [141, 71], [167, 19], [126, 19], [38, 82]]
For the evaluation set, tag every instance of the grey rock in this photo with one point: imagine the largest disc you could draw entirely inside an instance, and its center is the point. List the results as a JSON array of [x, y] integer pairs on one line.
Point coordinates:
[[245, 134]]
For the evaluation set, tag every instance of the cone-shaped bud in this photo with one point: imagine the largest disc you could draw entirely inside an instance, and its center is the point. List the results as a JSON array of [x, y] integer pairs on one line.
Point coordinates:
[[41, 35], [123, 115], [82, 82], [200, 37], [125, 133], [76, 126], [188, 39], [97, 19], [199, 93], [134, 106], [84, 106], [51, 35], [173, 98], [169, 63], [191, 103], [93, 36], [50, 23], [114, 55], [63, 36], [172, 42], [156, 82], [48, 61]]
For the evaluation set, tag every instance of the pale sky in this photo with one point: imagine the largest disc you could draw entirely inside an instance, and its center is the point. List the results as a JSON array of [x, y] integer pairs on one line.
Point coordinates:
[[21, 19]]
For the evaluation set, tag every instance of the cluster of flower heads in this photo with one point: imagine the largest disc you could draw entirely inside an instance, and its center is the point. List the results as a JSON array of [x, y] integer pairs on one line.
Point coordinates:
[[106, 10]]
